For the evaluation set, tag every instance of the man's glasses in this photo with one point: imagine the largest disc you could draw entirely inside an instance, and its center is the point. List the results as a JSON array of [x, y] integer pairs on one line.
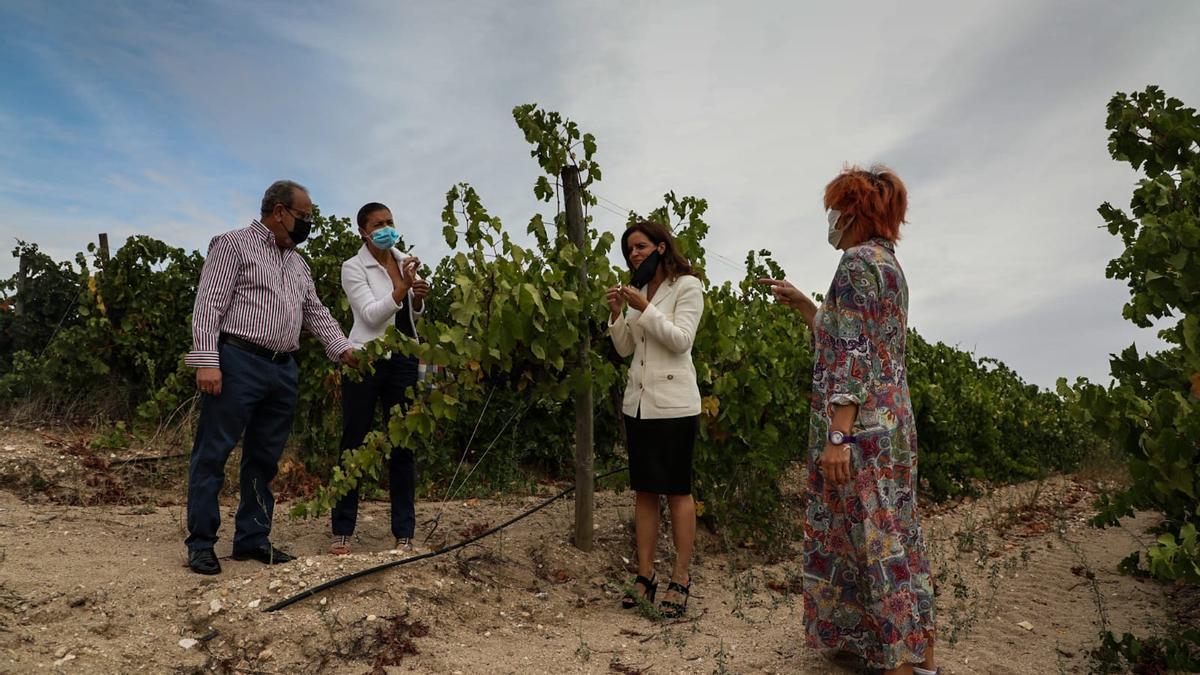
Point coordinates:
[[302, 216]]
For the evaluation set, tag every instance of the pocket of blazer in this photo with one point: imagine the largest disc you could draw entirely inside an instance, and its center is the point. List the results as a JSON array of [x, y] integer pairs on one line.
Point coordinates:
[[673, 389]]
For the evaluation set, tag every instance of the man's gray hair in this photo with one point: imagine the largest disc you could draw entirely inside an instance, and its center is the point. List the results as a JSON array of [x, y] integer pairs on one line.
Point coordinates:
[[280, 192]]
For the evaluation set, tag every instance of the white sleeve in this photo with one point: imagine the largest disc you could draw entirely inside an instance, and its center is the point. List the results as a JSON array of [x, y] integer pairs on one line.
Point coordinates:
[[622, 335]]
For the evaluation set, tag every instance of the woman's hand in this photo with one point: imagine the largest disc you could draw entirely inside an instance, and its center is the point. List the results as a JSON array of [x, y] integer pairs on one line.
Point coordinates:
[[615, 300], [835, 464], [786, 294], [402, 274], [636, 300], [420, 290], [395, 271], [408, 269]]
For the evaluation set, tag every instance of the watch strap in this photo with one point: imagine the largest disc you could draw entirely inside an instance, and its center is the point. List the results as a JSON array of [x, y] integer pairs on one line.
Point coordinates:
[[846, 438]]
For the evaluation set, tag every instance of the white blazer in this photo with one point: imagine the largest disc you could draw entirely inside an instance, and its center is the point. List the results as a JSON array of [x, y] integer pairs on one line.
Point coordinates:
[[369, 290], [662, 377]]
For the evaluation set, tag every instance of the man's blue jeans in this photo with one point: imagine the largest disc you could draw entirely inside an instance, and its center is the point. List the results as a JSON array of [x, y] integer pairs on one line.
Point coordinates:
[[257, 399]]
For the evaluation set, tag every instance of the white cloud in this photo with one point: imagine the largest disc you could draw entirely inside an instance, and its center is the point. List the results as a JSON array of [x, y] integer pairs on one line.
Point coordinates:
[[993, 113]]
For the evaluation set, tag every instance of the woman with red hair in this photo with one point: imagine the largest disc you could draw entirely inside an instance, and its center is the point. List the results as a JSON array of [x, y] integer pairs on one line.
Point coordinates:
[[867, 586]]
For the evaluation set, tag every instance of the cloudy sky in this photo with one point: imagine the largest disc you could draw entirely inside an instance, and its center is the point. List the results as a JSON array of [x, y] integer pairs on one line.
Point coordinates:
[[170, 118]]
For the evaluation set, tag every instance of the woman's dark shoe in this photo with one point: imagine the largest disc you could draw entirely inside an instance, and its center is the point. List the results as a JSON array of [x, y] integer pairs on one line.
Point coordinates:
[[671, 609], [650, 587], [204, 561]]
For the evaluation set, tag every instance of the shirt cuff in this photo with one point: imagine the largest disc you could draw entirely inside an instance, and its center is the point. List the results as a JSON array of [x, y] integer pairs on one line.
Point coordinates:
[[848, 398], [650, 310], [203, 359], [335, 349]]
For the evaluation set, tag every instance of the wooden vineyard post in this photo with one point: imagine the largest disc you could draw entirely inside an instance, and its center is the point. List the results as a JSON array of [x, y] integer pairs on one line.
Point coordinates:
[[22, 274], [584, 452]]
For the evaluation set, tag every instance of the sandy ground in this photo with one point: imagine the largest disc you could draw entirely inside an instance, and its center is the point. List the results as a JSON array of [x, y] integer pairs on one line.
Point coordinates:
[[1024, 586]]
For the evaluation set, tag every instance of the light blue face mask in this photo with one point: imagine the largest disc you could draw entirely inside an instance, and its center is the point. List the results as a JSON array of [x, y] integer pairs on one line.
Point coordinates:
[[385, 238]]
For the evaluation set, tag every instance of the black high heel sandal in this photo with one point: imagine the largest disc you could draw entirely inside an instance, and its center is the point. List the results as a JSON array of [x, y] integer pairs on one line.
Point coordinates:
[[651, 586], [674, 610]]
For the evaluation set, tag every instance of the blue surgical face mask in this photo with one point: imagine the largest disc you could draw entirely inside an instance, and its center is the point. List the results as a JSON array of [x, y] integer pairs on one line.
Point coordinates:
[[385, 238]]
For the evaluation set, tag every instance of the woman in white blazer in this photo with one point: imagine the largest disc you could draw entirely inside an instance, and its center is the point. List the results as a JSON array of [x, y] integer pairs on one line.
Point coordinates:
[[383, 288], [662, 401]]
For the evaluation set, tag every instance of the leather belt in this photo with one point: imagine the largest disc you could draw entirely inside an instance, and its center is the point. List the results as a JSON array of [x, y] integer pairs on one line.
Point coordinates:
[[246, 345]]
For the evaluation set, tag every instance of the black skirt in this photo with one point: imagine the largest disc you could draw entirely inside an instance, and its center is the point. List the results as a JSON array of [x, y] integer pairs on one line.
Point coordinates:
[[660, 454]]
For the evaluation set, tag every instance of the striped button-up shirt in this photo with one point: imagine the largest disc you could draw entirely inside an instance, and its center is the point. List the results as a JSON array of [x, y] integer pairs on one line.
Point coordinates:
[[259, 292]]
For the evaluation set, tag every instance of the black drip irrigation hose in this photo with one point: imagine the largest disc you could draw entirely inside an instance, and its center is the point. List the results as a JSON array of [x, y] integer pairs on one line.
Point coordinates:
[[309, 592]]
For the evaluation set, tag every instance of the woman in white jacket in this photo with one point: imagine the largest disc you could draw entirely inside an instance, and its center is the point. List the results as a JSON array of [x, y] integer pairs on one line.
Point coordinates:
[[662, 401], [383, 288]]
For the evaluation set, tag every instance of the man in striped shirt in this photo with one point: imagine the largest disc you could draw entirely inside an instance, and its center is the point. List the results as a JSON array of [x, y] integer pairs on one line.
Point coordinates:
[[255, 294]]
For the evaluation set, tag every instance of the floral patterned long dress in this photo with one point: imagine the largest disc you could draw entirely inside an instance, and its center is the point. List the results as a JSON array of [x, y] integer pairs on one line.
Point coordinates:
[[867, 585]]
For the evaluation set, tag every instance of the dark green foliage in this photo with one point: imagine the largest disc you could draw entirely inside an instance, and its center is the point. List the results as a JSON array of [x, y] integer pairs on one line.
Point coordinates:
[[1178, 653], [1153, 409], [115, 341], [51, 299], [977, 420]]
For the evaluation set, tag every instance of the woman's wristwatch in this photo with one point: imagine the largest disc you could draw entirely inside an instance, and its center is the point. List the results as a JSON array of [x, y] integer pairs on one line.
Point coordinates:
[[838, 438]]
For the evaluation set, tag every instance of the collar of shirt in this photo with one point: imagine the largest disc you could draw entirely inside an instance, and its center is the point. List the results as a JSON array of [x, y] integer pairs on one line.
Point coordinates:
[[263, 231], [880, 241]]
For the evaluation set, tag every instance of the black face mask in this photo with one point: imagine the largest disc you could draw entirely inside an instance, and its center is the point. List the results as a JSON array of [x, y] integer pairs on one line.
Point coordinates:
[[300, 231], [645, 272]]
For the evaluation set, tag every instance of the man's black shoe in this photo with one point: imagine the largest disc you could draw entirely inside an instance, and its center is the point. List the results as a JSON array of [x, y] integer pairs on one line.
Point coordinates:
[[204, 561], [266, 554]]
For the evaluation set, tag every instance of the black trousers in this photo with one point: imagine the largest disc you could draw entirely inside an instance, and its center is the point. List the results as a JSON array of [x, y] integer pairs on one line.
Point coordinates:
[[390, 385]]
